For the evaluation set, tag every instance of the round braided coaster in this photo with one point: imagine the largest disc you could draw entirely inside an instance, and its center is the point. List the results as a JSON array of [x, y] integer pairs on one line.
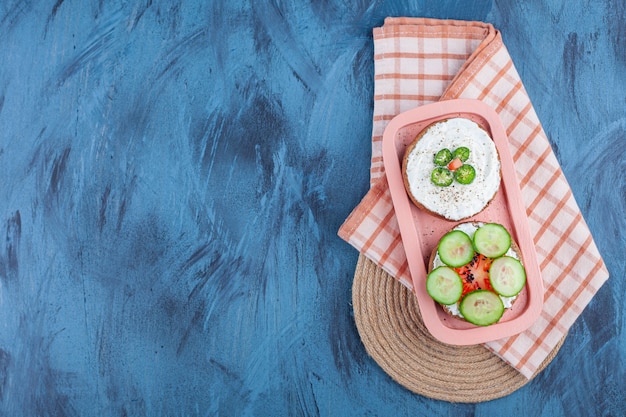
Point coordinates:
[[391, 328]]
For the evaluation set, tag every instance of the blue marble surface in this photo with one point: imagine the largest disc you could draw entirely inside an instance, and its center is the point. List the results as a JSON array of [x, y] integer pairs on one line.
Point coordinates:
[[173, 178]]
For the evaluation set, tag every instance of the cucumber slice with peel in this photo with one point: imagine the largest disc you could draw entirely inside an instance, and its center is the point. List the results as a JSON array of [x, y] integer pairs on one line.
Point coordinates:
[[482, 307], [507, 276], [492, 240], [455, 248], [444, 285]]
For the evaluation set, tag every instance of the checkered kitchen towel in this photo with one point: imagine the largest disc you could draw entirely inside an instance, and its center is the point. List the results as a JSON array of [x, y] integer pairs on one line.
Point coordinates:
[[419, 61]]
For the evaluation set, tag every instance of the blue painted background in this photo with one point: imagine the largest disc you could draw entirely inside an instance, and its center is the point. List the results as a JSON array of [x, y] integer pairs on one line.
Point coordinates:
[[173, 176]]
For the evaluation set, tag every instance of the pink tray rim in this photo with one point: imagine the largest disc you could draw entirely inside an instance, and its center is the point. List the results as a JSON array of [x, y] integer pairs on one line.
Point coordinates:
[[411, 241]]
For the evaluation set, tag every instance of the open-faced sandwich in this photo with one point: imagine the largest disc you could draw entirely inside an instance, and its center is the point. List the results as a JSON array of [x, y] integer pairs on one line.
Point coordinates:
[[476, 272], [452, 169]]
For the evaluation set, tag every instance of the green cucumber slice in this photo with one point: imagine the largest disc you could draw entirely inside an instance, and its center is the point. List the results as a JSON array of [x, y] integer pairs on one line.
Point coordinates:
[[492, 240], [462, 153], [455, 248], [507, 276], [444, 285], [482, 307], [465, 174], [441, 177], [443, 157]]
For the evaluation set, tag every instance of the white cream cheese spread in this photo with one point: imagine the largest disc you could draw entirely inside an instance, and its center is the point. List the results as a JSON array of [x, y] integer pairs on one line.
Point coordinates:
[[456, 201]]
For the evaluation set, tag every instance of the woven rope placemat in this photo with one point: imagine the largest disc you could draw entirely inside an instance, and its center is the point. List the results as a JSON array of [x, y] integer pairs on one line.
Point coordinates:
[[394, 335]]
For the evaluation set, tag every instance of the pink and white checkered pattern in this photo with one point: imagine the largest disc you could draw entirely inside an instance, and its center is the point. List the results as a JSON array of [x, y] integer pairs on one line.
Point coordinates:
[[418, 61]]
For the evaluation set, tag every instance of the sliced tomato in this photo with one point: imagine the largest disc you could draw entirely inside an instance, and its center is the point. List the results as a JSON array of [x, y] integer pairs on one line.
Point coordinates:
[[455, 164], [475, 274]]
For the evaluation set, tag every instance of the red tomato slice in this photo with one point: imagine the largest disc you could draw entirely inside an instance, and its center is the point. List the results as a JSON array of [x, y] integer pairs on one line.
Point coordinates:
[[475, 274], [455, 164]]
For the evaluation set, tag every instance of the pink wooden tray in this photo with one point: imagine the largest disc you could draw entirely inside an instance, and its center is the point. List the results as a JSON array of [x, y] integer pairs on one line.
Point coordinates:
[[421, 231]]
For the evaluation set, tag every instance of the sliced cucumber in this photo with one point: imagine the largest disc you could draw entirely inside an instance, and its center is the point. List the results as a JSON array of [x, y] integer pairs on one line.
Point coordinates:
[[492, 240], [455, 248], [507, 276], [444, 285], [482, 307]]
